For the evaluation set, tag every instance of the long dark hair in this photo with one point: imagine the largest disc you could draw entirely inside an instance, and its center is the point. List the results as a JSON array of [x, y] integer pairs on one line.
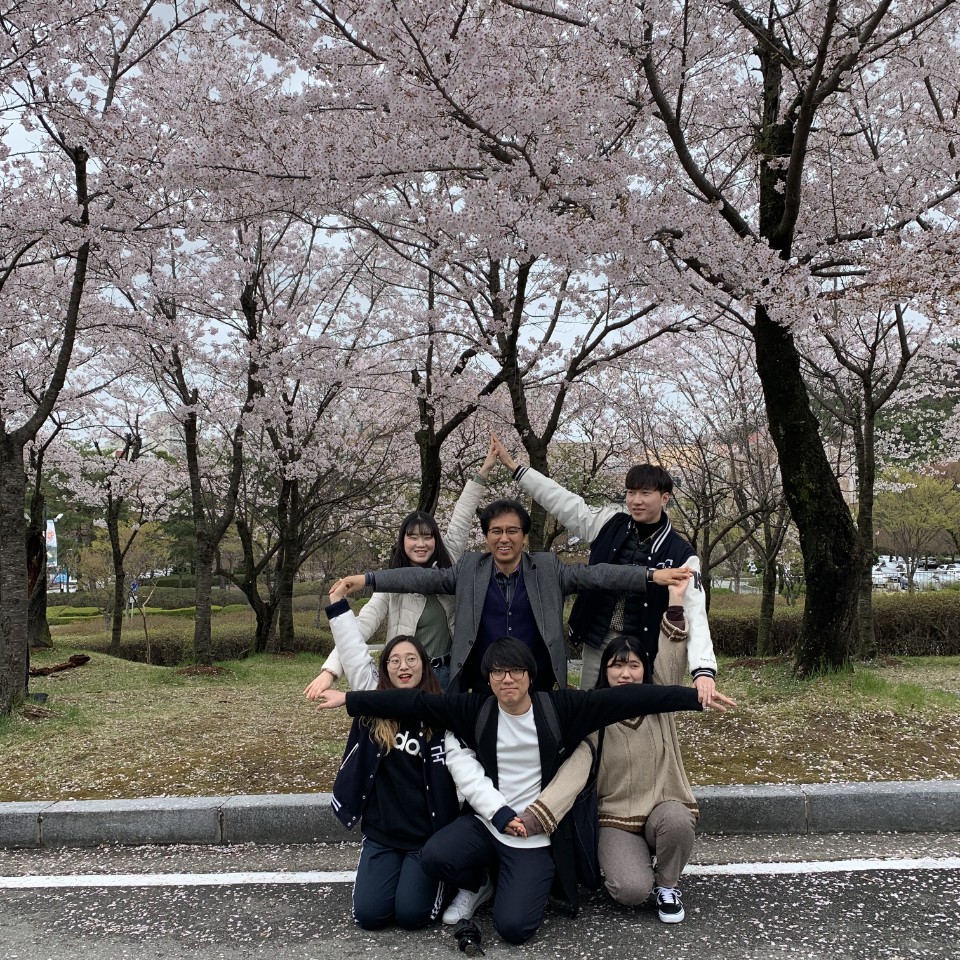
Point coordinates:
[[620, 648], [424, 524], [383, 731]]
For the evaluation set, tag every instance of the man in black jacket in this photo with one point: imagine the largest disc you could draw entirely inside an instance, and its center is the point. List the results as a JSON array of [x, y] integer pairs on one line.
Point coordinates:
[[518, 751]]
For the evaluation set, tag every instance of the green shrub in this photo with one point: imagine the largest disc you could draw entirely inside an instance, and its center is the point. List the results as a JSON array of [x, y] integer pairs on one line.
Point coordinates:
[[918, 625], [171, 642], [734, 631], [165, 598]]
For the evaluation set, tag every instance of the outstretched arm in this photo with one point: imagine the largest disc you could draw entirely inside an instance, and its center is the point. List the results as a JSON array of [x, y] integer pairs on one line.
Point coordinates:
[[358, 665]]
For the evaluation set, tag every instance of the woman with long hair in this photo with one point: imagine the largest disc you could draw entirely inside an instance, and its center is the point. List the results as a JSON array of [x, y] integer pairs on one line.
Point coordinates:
[[393, 780], [428, 618], [645, 804]]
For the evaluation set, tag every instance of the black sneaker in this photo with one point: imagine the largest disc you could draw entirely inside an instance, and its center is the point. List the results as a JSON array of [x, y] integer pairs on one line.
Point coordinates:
[[669, 905]]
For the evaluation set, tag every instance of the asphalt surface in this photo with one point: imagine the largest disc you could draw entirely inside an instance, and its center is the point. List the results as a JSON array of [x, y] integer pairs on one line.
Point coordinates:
[[885, 896], [819, 871]]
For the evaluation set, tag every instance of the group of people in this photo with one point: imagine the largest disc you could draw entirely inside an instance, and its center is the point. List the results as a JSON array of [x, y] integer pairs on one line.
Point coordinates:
[[470, 699]]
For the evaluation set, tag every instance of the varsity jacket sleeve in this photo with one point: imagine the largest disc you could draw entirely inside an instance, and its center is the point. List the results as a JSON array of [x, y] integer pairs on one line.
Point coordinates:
[[557, 798], [358, 665], [572, 511], [472, 781], [368, 620], [700, 656], [416, 579], [462, 520]]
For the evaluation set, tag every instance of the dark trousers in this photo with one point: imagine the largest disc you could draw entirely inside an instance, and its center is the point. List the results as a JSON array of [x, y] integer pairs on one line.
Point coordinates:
[[392, 887], [461, 853]]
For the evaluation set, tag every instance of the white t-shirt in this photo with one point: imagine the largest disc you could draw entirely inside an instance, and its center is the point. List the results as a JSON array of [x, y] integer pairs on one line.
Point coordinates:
[[518, 771]]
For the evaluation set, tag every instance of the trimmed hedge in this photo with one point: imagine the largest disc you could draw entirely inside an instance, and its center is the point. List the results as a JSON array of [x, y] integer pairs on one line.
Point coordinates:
[[173, 646], [919, 625], [164, 598]]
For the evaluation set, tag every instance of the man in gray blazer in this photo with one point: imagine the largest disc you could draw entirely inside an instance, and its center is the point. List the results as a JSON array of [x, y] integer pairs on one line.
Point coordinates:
[[509, 592]]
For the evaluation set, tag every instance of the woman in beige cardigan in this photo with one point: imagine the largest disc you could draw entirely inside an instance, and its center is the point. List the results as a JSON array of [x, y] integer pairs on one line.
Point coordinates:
[[645, 803]]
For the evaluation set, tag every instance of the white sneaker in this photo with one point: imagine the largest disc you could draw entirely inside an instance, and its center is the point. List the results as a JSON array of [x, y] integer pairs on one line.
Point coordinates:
[[464, 904]]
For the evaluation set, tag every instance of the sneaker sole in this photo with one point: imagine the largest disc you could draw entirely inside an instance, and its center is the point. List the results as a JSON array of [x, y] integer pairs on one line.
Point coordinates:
[[671, 917]]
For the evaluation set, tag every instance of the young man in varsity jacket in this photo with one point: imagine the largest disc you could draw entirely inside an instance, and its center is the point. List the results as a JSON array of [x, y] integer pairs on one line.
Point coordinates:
[[637, 533]]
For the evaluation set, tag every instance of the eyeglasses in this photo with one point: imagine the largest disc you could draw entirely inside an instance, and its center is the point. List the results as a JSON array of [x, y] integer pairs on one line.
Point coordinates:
[[500, 531], [516, 673], [410, 660]]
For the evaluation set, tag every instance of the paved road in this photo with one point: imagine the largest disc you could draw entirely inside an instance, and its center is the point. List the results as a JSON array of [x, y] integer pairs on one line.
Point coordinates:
[[901, 901]]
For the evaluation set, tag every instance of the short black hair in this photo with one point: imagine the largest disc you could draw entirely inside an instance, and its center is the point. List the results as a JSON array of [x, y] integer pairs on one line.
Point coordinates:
[[501, 507], [508, 653], [620, 648], [648, 476]]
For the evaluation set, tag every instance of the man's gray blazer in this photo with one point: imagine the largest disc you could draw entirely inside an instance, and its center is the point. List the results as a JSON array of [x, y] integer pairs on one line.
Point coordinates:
[[547, 579]]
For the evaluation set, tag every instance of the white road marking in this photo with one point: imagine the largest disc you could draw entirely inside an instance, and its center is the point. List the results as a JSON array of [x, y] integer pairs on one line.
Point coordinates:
[[822, 866], [348, 876], [176, 879]]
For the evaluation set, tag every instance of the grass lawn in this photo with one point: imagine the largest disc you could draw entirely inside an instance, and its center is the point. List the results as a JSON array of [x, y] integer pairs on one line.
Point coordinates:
[[120, 729]]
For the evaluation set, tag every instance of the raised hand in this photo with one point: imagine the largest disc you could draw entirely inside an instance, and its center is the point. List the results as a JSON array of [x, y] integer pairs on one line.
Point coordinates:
[[503, 454], [319, 685], [490, 459], [347, 585]]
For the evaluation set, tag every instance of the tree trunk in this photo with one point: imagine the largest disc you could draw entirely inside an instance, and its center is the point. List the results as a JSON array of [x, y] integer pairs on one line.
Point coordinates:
[[38, 630], [119, 578], [431, 468], [828, 538], [202, 646], [768, 602], [119, 608], [287, 572], [14, 602], [866, 478]]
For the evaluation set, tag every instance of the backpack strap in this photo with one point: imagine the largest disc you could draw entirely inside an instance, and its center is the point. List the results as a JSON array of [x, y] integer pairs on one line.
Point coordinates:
[[483, 717]]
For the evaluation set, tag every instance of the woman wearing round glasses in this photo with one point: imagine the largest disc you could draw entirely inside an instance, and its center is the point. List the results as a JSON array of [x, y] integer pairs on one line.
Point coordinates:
[[395, 780], [428, 618]]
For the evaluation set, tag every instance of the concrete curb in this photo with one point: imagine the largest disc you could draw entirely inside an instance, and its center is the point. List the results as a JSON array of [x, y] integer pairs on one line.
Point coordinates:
[[910, 807]]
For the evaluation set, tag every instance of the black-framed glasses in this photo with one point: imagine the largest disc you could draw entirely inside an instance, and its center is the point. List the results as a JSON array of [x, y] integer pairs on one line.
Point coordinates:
[[516, 673]]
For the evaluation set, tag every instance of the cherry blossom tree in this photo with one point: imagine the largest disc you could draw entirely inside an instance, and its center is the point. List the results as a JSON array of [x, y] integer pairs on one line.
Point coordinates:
[[75, 155]]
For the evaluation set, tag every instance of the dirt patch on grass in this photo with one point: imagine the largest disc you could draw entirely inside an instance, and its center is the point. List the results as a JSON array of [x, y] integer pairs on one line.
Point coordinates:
[[118, 729], [201, 670]]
